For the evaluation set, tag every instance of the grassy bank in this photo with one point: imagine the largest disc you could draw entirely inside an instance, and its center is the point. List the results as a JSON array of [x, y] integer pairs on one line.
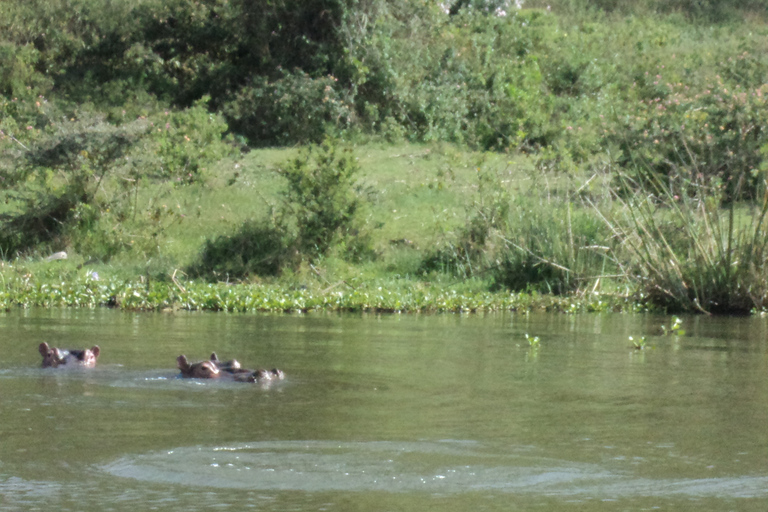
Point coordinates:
[[441, 229], [418, 200]]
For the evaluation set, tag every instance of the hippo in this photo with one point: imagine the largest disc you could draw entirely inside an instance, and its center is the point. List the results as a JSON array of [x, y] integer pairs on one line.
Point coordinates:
[[260, 376], [213, 368], [201, 370], [230, 366], [54, 357], [244, 374]]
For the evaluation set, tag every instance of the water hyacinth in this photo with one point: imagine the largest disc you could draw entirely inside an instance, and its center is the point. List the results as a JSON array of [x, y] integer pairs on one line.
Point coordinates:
[[27, 291]]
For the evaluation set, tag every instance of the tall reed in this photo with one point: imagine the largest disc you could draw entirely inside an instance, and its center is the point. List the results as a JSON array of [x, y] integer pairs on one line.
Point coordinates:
[[691, 247], [542, 239]]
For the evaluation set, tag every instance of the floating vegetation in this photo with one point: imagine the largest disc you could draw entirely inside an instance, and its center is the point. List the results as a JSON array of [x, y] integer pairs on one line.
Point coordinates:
[[533, 341], [675, 329], [639, 343], [28, 290]]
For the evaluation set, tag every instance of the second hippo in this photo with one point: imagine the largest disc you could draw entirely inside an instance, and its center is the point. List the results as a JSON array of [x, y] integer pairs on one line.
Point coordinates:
[[213, 368], [201, 370], [54, 357]]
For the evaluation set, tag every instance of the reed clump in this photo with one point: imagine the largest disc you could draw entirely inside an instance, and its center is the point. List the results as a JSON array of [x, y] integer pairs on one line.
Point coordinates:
[[695, 252]]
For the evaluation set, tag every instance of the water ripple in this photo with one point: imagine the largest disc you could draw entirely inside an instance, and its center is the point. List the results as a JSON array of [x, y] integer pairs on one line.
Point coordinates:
[[435, 467]]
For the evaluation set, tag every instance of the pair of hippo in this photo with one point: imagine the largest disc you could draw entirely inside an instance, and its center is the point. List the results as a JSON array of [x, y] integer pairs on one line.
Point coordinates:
[[54, 357], [214, 369]]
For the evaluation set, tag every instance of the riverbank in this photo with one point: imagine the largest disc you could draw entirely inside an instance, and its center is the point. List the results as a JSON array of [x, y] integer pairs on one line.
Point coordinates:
[[436, 229]]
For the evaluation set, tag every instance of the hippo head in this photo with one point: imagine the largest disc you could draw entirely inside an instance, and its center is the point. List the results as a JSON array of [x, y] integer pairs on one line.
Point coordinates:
[[86, 357], [54, 357], [202, 370]]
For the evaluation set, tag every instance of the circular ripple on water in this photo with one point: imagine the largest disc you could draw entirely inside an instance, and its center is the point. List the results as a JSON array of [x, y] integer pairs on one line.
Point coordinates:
[[437, 467], [385, 466]]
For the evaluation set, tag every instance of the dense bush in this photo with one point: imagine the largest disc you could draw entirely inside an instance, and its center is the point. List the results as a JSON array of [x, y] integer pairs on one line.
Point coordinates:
[[698, 137], [184, 142], [253, 250], [322, 199], [72, 182], [293, 108], [491, 75], [58, 175]]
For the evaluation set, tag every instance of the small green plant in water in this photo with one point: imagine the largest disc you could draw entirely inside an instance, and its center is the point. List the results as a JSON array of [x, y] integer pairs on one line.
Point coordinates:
[[638, 344], [676, 328], [533, 342]]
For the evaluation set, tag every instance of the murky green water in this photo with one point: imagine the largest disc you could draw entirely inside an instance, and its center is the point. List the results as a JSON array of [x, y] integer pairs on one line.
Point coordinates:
[[451, 413]]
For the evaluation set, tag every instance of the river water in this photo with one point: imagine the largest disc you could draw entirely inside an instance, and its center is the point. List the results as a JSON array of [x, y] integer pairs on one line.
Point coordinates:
[[401, 413]]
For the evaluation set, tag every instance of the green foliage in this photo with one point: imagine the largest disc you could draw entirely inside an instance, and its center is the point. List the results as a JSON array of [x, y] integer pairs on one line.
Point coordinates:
[[525, 242], [699, 138], [293, 108], [60, 174], [675, 329], [75, 183], [253, 250], [533, 341], [689, 254], [322, 198], [18, 71], [184, 142], [639, 343]]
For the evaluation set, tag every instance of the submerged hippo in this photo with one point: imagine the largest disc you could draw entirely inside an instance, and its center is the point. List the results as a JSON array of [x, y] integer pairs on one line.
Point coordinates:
[[201, 370], [213, 368], [230, 366], [54, 357], [260, 376]]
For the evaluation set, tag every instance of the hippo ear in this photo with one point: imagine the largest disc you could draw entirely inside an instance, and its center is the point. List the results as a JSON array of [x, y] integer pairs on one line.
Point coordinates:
[[57, 353], [182, 362], [214, 357], [44, 349], [95, 350]]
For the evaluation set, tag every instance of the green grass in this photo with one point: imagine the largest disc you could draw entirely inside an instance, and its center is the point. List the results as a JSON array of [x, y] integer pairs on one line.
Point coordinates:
[[420, 198], [556, 241]]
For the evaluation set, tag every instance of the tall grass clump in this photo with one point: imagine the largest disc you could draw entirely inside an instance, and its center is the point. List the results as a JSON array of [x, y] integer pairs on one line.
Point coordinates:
[[688, 252], [527, 241]]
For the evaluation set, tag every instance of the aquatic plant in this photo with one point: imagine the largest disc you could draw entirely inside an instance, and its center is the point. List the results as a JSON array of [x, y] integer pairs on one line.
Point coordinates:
[[533, 341], [675, 329], [637, 343], [26, 288]]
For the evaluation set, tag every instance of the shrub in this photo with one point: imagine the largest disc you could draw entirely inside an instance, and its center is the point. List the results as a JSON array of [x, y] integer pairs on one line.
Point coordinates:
[[294, 108], [48, 181], [185, 141], [322, 199], [254, 249], [691, 137]]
